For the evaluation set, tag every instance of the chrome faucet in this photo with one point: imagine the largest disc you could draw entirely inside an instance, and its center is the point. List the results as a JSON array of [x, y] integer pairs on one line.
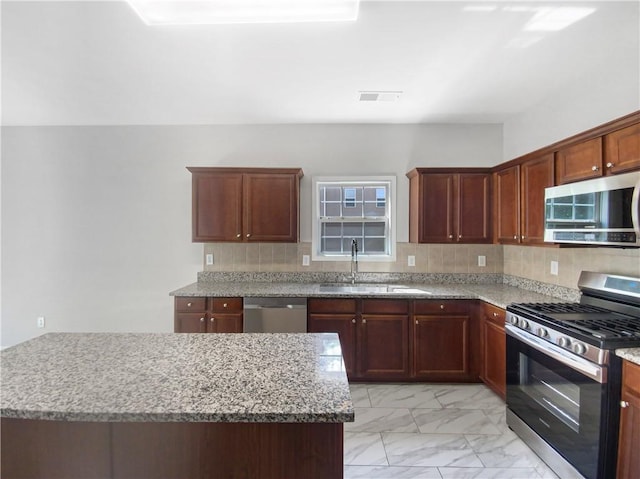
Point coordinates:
[[354, 260]]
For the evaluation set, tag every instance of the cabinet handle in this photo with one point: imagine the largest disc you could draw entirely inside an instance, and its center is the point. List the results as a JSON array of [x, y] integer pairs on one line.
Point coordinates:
[[610, 165], [624, 404], [238, 235], [248, 235], [442, 306], [594, 168], [202, 320], [188, 305], [364, 321]]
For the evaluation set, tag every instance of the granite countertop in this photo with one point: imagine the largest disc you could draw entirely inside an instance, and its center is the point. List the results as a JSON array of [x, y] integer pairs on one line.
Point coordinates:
[[630, 354], [497, 294], [140, 377]]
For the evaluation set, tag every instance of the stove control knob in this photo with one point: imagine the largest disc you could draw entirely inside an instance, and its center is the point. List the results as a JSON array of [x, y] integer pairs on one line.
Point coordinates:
[[514, 320], [579, 348], [524, 324], [564, 342], [542, 332]]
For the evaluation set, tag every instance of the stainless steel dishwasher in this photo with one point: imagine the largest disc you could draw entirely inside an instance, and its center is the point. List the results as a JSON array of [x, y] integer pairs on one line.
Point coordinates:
[[275, 315]]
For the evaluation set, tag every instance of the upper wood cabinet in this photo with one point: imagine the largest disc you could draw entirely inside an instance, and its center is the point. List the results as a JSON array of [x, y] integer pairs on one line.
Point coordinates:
[[245, 204], [615, 152], [519, 200], [449, 205], [622, 150]]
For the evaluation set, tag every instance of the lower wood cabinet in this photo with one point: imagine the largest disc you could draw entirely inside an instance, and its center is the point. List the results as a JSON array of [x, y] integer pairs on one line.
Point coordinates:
[[374, 334], [207, 315], [442, 346], [629, 439], [493, 344]]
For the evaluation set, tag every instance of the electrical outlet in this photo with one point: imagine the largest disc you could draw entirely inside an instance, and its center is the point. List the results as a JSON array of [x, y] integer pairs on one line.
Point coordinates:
[[40, 321], [554, 268], [411, 260], [306, 260], [482, 260], [210, 259]]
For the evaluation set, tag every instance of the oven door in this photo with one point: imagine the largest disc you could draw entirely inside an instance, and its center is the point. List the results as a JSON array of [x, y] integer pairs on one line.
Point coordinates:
[[559, 395]]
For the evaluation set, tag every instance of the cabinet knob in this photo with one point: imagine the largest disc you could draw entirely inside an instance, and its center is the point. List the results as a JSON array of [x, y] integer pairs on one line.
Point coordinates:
[[238, 235], [364, 321], [353, 320], [515, 237], [450, 236], [610, 165], [442, 306], [212, 319], [624, 404], [248, 235], [417, 322], [188, 305], [224, 305], [594, 168], [202, 320], [495, 315], [459, 236]]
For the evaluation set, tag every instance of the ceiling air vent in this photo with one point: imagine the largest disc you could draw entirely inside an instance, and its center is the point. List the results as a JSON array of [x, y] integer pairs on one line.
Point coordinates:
[[379, 95]]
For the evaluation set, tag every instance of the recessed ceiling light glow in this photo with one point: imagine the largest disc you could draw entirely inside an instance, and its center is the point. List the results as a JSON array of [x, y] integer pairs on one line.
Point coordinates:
[[208, 12], [551, 19]]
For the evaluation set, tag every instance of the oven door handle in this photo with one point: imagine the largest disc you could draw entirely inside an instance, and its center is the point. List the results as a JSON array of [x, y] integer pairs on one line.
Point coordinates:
[[589, 369]]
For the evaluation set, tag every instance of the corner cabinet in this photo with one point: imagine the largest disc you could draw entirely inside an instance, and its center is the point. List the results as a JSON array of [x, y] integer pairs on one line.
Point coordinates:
[[519, 200], [629, 437], [245, 204], [449, 205], [207, 315]]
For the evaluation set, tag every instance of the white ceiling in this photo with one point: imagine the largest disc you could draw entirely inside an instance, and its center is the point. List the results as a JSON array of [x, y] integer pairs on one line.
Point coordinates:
[[96, 63]]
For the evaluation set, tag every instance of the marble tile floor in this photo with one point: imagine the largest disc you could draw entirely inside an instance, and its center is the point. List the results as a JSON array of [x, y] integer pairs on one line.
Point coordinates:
[[425, 431]]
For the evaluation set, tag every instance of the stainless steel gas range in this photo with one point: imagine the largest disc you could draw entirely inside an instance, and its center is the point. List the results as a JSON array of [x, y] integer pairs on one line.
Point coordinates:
[[563, 378]]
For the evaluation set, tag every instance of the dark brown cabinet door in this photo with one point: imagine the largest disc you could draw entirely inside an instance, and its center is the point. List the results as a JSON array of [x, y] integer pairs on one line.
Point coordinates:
[[437, 209], [535, 175], [271, 207], [345, 326], [507, 205], [629, 438], [473, 208], [225, 323], [579, 162], [383, 345], [449, 206], [217, 207], [622, 150], [441, 347], [190, 323], [494, 357]]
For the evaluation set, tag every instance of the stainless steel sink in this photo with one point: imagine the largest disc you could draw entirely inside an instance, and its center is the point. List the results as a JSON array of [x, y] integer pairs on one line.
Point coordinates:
[[370, 288]]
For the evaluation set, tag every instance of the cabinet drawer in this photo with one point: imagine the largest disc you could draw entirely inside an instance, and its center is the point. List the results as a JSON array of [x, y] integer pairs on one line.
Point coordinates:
[[318, 305], [187, 304], [442, 307], [631, 377], [385, 306], [223, 305], [494, 314]]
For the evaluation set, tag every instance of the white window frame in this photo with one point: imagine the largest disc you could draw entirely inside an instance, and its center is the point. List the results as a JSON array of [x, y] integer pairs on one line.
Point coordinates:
[[345, 181]]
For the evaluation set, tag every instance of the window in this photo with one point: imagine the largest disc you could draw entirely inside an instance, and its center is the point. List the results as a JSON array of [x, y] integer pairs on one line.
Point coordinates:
[[359, 208]]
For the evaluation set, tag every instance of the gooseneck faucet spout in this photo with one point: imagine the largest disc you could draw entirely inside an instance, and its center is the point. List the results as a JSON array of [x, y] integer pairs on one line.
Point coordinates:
[[354, 260]]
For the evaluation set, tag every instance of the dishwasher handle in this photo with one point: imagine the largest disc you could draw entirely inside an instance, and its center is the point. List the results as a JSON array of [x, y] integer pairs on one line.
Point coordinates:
[[275, 306]]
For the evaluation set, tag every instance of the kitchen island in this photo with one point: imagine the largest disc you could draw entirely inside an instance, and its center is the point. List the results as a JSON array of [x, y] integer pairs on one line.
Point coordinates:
[[174, 405]]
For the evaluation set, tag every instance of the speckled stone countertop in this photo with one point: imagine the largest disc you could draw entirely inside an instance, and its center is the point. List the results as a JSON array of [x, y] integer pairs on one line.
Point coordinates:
[[498, 294], [140, 377], [630, 354]]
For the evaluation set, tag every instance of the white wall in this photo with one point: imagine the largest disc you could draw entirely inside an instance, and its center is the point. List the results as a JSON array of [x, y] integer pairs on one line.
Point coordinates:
[[578, 106], [96, 220]]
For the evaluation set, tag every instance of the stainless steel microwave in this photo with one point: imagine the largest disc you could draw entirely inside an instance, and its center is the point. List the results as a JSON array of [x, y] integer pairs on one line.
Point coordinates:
[[603, 211]]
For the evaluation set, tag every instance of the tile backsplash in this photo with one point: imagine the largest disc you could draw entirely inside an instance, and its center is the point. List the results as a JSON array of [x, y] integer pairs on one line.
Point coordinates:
[[528, 262]]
